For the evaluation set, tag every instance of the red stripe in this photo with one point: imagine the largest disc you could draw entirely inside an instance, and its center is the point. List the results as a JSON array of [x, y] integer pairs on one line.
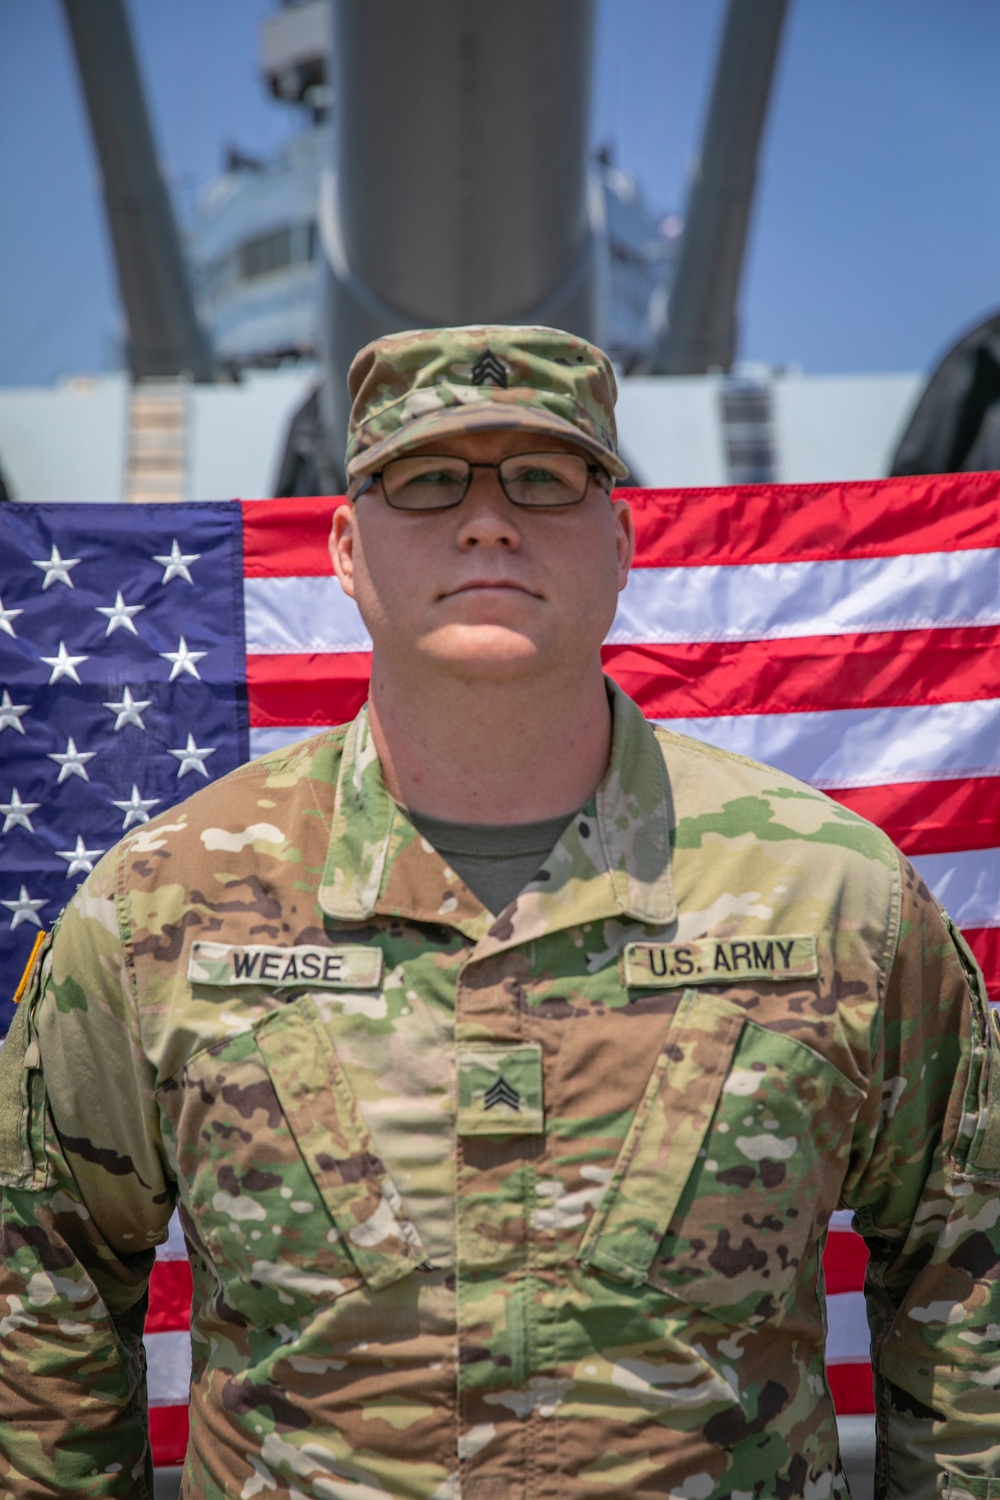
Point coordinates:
[[877, 669], [287, 538], [316, 689], [844, 1261], [732, 525], [169, 1297], [809, 522], [168, 1433], [707, 679], [852, 1388], [931, 817], [985, 944]]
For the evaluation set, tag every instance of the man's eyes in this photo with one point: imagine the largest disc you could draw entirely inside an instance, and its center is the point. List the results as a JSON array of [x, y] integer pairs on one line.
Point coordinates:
[[436, 476], [539, 476]]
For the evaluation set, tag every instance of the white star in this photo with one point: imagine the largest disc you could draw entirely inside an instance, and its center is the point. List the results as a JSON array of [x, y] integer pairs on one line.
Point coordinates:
[[183, 660], [191, 758], [17, 813], [176, 564], [6, 615], [81, 859], [23, 909], [10, 713], [57, 569], [129, 710], [73, 763], [119, 614], [63, 665], [136, 809]]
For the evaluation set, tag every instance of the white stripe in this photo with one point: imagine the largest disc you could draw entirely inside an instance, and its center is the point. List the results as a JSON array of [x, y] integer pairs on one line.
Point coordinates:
[[168, 1368], [732, 602], [168, 1355], [857, 1444], [173, 1247], [864, 746], [277, 736], [842, 748], [758, 601], [966, 884], [847, 1337], [301, 614], [841, 1219]]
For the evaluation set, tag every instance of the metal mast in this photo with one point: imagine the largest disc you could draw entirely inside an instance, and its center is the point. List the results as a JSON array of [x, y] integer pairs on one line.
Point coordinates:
[[164, 336], [460, 185], [700, 332]]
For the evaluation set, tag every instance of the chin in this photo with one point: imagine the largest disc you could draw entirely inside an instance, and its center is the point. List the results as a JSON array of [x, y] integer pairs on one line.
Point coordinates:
[[484, 653]]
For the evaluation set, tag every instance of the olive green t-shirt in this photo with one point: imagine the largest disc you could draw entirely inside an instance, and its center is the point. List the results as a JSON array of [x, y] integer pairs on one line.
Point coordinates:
[[496, 860]]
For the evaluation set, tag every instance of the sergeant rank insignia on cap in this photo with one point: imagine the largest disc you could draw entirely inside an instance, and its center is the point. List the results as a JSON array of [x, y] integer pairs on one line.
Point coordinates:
[[489, 370]]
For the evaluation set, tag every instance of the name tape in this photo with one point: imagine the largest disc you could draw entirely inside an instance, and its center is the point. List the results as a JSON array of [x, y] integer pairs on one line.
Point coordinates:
[[354, 967], [721, 960]]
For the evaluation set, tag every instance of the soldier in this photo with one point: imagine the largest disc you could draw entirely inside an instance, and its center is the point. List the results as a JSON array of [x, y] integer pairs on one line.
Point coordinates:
[[505, 1056]]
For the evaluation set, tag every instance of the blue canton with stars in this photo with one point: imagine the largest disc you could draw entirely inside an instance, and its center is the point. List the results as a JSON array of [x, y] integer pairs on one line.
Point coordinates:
[[122, 688]]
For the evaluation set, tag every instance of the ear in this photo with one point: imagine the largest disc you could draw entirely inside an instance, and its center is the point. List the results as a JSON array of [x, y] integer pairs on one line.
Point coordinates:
[[342, 546], [624, 539]]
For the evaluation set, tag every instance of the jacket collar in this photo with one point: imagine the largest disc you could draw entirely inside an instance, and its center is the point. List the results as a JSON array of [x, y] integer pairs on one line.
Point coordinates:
[[614, 859]]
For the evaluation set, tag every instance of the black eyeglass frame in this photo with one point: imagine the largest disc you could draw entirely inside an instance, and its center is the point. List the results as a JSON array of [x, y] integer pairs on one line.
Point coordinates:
[[593, 470]]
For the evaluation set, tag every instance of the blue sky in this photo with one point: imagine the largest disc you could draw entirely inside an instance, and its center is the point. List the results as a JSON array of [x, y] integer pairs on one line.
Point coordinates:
[[876, 235]]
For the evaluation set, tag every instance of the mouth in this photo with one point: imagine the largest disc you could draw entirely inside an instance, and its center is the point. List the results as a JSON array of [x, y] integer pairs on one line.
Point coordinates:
[[490, 586]]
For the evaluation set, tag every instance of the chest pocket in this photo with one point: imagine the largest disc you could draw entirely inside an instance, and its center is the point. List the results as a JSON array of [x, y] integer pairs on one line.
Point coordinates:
[[280, 1175], [729, 1166]]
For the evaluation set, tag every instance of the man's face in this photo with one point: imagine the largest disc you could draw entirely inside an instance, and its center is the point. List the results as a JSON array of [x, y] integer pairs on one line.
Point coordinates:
[[487, 590]]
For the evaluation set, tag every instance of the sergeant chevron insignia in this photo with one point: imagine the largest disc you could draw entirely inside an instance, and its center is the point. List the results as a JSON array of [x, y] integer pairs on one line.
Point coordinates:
[[501, 1093], [489, 369]]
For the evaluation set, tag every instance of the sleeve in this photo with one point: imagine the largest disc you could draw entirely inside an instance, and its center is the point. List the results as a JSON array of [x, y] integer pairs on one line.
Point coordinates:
[[84, 1197], [925, 1189]]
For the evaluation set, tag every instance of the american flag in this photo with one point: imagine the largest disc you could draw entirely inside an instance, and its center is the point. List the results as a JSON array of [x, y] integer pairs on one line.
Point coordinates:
[[848, 633]]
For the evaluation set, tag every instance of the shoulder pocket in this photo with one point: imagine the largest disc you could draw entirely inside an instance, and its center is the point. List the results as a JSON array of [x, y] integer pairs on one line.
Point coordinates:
[[23, 1106], [977, 1149], [730, 1168], [279, 1173], [984, 1153], [964, 1487]]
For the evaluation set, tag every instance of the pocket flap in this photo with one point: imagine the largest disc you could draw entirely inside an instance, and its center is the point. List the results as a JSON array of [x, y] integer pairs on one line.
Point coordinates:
[[23, 1106], [323, 1117], [664, 1139]]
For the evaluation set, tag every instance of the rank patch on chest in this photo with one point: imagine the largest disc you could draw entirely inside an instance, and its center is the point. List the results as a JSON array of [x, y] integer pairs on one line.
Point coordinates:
[[500, 1089], [353, 967], [721, 960]]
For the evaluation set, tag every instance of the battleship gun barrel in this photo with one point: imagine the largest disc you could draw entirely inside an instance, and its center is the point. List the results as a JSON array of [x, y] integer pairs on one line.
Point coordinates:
[[460, 186], [701, 327], [164, 335]]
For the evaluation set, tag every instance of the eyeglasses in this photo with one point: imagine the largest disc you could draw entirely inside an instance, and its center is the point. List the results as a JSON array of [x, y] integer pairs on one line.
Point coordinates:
[[536, 481]]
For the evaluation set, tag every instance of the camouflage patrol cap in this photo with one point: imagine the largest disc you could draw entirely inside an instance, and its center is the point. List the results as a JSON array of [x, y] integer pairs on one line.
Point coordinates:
[[440, 382]]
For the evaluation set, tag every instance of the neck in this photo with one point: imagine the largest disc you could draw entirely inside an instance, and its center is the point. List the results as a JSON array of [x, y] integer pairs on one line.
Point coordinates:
[[495, 752]]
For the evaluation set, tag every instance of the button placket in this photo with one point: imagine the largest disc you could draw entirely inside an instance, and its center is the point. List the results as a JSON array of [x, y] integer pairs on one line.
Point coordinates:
[[496, 1175]]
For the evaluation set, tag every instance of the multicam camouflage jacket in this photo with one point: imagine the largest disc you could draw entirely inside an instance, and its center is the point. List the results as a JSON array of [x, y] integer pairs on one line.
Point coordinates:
[[501, 1208]]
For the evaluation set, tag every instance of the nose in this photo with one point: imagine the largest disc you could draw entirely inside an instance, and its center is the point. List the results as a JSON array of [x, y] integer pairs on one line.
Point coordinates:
[[486, 517]]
